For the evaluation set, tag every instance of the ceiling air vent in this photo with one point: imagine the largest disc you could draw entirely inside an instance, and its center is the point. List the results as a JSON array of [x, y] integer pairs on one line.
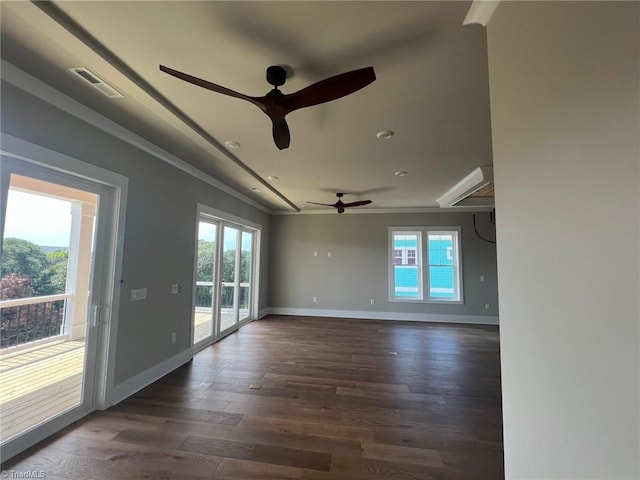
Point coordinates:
[[96, 82]]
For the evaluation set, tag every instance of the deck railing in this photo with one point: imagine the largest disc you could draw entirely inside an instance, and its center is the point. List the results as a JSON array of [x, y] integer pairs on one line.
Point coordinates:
[[204, 293], [25, 320]]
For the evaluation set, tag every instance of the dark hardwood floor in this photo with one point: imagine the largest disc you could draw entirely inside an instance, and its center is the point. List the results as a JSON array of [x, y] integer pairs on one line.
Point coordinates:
[[303, 398]]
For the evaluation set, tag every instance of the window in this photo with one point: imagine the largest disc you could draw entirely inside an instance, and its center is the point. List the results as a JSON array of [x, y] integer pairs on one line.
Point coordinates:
[[442, 275], [406, 268], [444, 267]]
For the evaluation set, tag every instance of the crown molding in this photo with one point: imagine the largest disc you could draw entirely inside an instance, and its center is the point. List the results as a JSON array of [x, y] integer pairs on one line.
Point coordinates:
[[378, 211]]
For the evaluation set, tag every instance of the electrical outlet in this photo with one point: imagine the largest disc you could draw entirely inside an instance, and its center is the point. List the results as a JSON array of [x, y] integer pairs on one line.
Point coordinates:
[[173, 337], [482, 278], [138, 294], [175, 288], [328, 254], [373, 301], [315, 253], [315, 299], [487, 306]]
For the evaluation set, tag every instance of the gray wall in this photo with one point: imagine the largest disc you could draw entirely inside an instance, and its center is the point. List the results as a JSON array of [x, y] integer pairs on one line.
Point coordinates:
[[564, 104], [358, 268], [159, 233]]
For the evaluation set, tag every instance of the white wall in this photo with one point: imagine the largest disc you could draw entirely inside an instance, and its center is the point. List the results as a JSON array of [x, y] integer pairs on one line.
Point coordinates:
[[565, 105]]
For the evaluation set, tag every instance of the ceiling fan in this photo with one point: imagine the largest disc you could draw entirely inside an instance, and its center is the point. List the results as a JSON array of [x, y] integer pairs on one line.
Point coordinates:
[[277, 104], [340, 206]]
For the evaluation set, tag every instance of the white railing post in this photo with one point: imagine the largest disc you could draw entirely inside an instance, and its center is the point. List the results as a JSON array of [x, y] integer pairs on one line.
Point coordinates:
[[79, 268]]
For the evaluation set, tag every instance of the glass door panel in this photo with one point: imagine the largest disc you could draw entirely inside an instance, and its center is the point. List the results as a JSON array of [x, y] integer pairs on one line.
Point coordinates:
[[204, 321], [47, 347], [228, 292], [245, 275]]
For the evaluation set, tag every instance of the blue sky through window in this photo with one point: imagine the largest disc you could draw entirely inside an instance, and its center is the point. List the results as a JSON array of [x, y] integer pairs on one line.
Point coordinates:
[[39, 219]]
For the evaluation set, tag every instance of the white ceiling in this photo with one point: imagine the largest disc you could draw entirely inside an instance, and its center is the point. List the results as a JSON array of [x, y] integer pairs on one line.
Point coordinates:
[[431, 88]]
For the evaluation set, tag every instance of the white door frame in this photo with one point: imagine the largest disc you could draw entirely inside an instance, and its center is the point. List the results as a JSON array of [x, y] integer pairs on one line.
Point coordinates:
[[112, 231]]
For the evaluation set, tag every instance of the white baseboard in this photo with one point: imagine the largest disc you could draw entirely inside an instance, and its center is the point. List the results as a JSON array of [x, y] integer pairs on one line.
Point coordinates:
[[411, 317], [138, 382], [264, 312]]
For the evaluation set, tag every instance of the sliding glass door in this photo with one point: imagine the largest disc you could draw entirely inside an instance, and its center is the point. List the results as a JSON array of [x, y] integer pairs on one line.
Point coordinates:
[[53, 281], [224, 275]]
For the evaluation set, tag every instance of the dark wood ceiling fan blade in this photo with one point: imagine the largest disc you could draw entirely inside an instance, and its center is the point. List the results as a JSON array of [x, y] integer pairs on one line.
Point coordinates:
[[323, 204], [210, 86], [281, 134], [357, 204], [329, 89]]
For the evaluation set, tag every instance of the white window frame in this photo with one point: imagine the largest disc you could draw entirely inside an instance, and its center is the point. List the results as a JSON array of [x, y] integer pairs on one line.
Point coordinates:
[[423, 263]]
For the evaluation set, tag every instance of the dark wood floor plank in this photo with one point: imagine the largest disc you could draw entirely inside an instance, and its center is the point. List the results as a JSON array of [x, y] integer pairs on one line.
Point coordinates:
[[258, 436], [234, 469], [258, 453], [333, 399], [178, 412], [334, 431]]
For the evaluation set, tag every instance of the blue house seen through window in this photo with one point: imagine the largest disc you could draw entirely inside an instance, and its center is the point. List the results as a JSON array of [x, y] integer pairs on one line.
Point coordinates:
[[407, 266]]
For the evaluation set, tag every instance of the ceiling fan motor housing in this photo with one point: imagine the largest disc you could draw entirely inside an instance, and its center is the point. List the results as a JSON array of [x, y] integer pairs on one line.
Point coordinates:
[[276, 75]]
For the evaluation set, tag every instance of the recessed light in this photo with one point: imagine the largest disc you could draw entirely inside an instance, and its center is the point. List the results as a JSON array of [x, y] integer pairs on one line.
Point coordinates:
[[232, 144], [385, 134], [256, 189], [273, 177], [400, 173]]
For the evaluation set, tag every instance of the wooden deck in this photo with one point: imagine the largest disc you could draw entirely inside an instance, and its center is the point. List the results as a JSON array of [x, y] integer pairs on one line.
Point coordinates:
[[38, 384], [204, 324]]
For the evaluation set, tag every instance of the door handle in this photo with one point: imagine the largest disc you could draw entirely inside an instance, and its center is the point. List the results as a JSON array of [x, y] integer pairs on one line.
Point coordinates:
[[97, 315]]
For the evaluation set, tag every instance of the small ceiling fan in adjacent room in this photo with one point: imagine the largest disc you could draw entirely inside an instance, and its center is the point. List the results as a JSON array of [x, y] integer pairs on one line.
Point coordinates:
[[340, 205], [276, 105]]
